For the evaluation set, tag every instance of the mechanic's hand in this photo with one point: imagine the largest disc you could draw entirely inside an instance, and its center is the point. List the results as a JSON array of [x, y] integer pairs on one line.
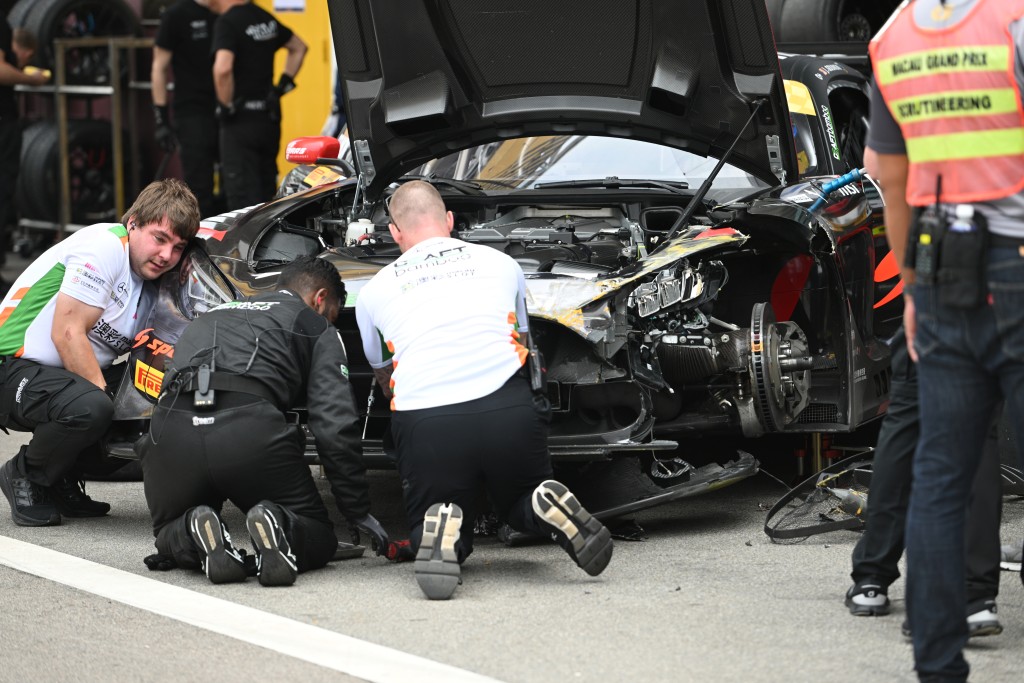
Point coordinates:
[[378, 536], [910, 325], [158, 562], [225, 112], [285, 85], [164, 134]]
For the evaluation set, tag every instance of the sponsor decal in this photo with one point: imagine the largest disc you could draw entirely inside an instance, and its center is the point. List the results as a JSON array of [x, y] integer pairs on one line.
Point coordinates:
[[201, 421], [210, 233], [154, 344], [91, 267], [21, 387], [246, 306], [344, 370], [830, 130], [798, 97], [148, 380], [109, 335]]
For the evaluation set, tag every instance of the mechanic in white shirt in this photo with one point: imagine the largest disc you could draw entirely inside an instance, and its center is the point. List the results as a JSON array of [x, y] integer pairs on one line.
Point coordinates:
[[64, 321], [444, 328]]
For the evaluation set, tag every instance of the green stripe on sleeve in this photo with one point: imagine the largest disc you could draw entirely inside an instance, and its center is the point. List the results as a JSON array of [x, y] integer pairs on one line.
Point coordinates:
[[12, 332]]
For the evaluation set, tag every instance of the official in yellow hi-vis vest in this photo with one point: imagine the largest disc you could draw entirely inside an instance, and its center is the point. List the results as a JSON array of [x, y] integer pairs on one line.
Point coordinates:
[[947, 146]]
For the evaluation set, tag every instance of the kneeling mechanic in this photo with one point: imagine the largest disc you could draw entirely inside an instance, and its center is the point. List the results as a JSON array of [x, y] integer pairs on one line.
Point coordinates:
[[219, 432]]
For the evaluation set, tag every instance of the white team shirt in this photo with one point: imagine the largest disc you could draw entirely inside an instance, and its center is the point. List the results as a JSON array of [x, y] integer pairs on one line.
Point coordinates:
[[445, 315], [92, 266]]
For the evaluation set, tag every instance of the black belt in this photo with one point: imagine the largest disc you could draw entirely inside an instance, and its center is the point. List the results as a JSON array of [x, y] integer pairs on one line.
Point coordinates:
[[995, 240], [225, 381]]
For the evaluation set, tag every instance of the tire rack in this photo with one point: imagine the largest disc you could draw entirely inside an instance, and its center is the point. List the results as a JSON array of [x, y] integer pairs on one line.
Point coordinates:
[[115, 90]]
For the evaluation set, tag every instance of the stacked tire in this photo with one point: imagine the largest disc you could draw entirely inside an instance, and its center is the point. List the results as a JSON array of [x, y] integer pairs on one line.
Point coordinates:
[[828, 21], [53, 19], [91, 169]]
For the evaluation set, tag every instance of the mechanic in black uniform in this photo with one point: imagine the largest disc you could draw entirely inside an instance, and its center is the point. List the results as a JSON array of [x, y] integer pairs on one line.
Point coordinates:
[[245, 39], [183, 46], [12, 61], [219, 432]]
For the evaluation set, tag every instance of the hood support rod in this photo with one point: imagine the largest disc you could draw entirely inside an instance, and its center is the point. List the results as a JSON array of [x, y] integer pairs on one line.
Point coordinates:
[[691, 208]]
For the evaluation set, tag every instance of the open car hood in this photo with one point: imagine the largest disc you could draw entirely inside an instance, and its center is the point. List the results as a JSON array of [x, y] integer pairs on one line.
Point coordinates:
[[425, 78]]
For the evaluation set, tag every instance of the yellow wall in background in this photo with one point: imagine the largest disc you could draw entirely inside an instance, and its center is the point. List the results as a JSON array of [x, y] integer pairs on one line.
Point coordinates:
[[304, 110]]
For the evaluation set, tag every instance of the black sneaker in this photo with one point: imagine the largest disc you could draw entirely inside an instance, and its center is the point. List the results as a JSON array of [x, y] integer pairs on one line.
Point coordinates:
[[982, 619], [437, 566], [30, 504], [71, 499], [221, 562], [586, 540], [867, 600], [275, 563]]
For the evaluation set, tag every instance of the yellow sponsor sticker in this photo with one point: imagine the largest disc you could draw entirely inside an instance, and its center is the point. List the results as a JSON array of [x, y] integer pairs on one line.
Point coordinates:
[[799, 98], [320, 175], [148, 380]]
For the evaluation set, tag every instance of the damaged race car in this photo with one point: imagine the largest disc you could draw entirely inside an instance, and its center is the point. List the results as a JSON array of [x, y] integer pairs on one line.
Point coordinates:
[[645, 175]]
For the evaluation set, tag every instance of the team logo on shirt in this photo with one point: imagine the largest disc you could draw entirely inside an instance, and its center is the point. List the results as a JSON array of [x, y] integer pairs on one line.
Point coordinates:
[[260, 32], [430, 259]]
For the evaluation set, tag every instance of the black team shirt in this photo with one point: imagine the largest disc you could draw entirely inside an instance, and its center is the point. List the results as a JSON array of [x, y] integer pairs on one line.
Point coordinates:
[[254, 35], [186, 30]]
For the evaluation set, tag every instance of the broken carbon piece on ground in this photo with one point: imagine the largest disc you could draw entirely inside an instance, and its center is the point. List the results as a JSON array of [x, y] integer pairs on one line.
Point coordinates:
[[831, 500]]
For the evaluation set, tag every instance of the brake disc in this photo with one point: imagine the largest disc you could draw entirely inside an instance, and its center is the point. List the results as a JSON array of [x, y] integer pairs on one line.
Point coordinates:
[[778, 374]]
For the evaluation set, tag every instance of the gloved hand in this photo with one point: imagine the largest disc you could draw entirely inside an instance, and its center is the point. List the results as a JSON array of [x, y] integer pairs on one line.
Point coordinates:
[[285, 85], [378, 536], [158, 562], [164, 134], [225, 112]]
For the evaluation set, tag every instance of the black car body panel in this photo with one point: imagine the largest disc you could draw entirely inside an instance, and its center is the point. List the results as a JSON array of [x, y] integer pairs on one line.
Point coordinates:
[[425, 78], [662, 312]]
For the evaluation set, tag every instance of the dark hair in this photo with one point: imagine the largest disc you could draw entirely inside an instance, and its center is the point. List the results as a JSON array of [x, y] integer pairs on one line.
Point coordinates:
[[170, 198], [309, 273], [25, 39]]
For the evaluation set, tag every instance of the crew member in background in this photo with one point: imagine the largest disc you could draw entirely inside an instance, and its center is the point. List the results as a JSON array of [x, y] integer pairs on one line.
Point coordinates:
[[14, 56], [245, 39], [183, 47], [449, 320], [949, 76], [220, 433], [72, 312]]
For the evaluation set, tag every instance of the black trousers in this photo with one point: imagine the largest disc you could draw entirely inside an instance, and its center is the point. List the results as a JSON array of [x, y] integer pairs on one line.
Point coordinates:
[[248, 153], [245, 452], [877, 553], [198, 136], [67, 415], [10, 164], [445, 454]]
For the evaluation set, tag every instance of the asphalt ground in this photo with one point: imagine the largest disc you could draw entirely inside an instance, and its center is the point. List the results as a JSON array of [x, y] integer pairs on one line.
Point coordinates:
[[707, 597]]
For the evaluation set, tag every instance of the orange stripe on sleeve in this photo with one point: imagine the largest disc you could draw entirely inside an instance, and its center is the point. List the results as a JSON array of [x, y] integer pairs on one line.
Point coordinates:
[[5, 314], [20, 294]]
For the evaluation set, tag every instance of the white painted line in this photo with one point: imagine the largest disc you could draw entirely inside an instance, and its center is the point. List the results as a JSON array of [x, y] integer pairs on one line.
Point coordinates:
[[318, 646]]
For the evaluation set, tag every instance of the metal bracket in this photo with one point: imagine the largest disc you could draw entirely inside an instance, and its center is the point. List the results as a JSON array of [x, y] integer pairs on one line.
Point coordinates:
[[771, 143], [361, 151]]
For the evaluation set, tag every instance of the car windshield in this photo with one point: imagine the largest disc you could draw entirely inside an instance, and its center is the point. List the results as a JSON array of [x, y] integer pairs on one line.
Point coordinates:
[[523, 163]]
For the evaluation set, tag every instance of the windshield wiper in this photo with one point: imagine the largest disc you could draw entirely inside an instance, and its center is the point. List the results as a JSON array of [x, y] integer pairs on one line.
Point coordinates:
[[463, 186], [614, 183]]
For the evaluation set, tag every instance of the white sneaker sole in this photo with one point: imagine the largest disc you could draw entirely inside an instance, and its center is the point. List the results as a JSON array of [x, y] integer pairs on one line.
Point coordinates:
[[591, 542], [437, 563]]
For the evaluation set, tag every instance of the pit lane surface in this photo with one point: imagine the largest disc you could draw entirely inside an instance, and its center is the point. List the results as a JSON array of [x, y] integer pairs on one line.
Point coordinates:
[[706, 598]]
